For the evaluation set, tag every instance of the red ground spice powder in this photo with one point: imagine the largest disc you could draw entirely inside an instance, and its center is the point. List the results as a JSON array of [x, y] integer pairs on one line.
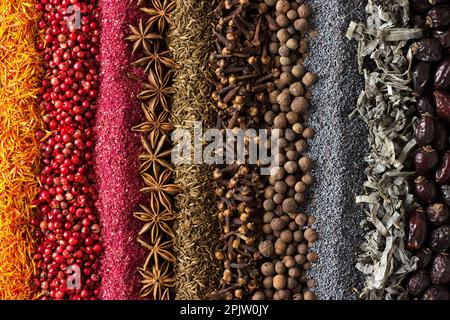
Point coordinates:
[[116, 155]]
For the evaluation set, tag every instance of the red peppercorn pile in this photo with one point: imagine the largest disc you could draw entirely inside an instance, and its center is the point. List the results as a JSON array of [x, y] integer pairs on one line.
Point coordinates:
[[69, 229], [429, 223]]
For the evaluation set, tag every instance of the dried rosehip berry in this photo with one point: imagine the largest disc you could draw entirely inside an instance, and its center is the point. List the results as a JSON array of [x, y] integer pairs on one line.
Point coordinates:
[[424, 257], [425, 160], [440, 142], [421, 77], [440, 269], [425, 130], [440, 238], [442, 102], [443, 37], [442, 76], [427, 50], [438, 214], [425, 190], [443, 172], [438, 17], [436, 293], [418, 283], [424, 105], [418, 229]]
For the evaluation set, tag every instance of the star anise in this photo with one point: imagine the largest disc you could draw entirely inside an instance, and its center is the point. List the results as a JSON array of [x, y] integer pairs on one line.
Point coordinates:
[[155, 58], [160, 13], [158, 251], [157, 89], [157, 282], [154, 155], [155, 220], [155, 125], [142, 36], [160, 187]]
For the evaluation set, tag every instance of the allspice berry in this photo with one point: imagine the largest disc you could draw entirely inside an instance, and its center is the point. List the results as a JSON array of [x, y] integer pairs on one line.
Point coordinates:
[[309, 295], [307, 179], [258, 295], [279, 282], [305, 164], [292, 117], [286, 236], [289, 262], [292, 15], [301, 146], [301, 25], [296, 89], [308, 133], [280, 268], [310, 235], [298, 236], [266, 248], [268, 282], [282, 20], [304, 11], [283, 35], [292, 44], [282, 6], [309, 79], [289, 205], [302, 248], [294, 272], [268, 269], [277, 224], [270, 3], [300, 187], [291, 166], [280, 121], [298, 71], [280, 186], [312, 257], [286, 79], [301, 219], [280, 247], [299, 104]]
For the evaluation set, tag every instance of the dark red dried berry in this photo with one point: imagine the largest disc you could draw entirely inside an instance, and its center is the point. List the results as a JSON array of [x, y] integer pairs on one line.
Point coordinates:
[[436, 293], [440, 238], [440, 269], [438, 17], [427, 50], [425, 130], [421, 77], [418, 228], [418, 283], [425, 190], [442, 102], [424, 257], [443, 172], [424, 105], [438, 214], [442, 75], [425, 160], [440, 142]]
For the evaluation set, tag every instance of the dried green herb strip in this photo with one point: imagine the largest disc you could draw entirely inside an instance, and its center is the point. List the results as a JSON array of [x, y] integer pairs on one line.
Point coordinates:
[[196, 229], [386, 106]]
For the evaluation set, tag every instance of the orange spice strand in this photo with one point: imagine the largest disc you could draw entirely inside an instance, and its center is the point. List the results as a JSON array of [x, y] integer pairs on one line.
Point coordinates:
[[20, 71]]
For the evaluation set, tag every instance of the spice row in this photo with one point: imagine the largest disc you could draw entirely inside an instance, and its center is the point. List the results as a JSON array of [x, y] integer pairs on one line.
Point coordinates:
[[429, 223]]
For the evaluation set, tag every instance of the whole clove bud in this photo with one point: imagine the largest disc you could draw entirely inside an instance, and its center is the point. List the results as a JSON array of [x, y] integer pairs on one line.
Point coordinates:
[[440, 238], [436, 293], [443, 37], [417, 230], [442, 102], [442, 76], [421, 77], [424, 105], [425, 130], [438, 213], [427, 50], [443, 172], [426, 159], [440, 269], [440, 142], [418, 283], [438, 17], [425, 190], [424, 257]]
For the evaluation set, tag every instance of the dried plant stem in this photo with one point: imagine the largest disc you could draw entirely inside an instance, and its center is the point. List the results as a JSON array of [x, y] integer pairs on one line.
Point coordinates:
[[196, 230]]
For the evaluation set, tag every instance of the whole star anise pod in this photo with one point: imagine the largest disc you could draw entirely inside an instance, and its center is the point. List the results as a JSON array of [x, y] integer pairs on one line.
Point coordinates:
[[157, 89], [155, 155], [157, 282], [160, 13], [142, 36], [155, 125], [161, 187], [156, 220], [155, 58]]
